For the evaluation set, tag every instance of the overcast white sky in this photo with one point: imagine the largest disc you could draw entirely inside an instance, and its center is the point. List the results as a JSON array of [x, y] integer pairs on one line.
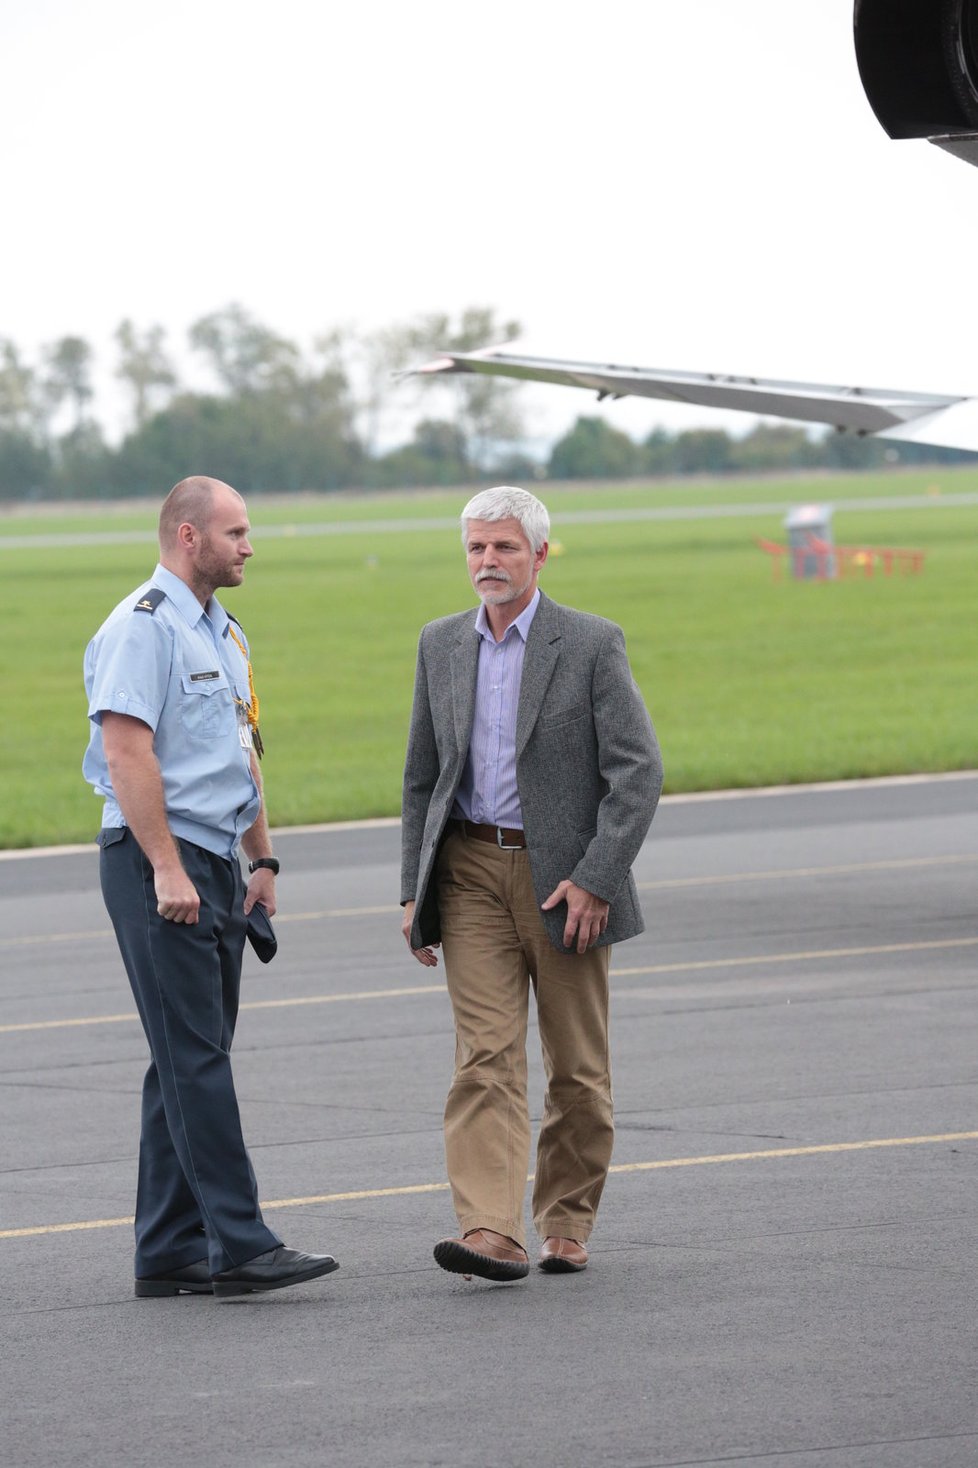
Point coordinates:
[[678, 183]]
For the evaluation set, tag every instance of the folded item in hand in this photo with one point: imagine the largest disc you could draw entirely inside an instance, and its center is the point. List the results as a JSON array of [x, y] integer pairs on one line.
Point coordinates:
[[261, 934]]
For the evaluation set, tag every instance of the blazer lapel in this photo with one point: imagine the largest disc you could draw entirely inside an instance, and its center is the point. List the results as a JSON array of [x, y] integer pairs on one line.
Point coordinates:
[[465, 667], [539, 662]]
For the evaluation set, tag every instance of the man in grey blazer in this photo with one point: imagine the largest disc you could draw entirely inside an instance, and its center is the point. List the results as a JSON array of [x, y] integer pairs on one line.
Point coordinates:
[[531, 779]]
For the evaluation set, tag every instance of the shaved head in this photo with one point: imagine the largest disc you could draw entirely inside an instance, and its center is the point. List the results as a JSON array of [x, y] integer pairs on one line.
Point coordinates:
[[204, 535], [191, 502]]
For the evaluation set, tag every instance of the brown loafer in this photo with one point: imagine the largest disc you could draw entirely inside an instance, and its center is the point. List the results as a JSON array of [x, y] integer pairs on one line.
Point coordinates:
[[483, 1252], [562, 1256]]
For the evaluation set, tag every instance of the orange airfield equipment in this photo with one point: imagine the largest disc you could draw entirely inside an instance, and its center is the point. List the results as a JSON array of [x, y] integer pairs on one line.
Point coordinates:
[[833, 562]]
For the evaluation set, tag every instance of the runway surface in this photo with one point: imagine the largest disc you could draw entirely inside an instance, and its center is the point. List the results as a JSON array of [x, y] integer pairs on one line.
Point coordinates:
[[785, 1270], [605, 516]]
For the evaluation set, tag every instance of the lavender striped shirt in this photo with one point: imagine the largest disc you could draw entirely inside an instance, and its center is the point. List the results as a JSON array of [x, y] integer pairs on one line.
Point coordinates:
[[487, 793]]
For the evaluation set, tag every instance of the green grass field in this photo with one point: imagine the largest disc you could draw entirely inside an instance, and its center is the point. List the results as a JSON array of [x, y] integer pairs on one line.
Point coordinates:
[[750, 682]]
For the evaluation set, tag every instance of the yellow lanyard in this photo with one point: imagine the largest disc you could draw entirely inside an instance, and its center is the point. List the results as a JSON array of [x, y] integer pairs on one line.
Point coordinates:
[[253, 706]]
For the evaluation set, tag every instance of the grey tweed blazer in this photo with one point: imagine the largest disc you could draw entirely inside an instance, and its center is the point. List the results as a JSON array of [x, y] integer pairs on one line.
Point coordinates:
[[588, 766]]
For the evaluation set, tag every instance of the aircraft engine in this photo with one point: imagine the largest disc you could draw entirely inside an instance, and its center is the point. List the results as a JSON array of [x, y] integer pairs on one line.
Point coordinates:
[[918, 61]]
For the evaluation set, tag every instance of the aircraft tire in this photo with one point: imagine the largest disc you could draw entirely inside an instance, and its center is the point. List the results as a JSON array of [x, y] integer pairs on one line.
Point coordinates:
[[959, 43]]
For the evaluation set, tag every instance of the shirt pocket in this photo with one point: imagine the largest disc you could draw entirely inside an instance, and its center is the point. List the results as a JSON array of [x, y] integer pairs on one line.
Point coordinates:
[[206, 708]]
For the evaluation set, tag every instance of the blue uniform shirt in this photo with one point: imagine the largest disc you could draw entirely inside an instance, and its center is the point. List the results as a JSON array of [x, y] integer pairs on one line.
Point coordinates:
[[180, 671]]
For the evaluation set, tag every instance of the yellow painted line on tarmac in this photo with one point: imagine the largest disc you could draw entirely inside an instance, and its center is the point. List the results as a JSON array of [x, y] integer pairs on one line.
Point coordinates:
[[88, 935], [819, 1150], [768, 1154], [131, 1015], [31, 939], [387, 909], [805, 956], [339, 998], [751, 960], [64, 1228], [789, 873], [70, 1024], [662, 884], [356, 1197]]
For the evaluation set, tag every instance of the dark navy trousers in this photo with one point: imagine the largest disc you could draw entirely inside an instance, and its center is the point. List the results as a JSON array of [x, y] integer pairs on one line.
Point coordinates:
[[196, 1193]]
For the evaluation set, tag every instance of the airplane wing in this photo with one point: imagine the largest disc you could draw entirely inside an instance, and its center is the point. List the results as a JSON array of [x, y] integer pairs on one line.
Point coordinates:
[[931, 418]]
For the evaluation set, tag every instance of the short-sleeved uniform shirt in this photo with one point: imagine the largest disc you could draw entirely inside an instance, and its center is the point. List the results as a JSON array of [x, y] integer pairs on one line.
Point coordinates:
[[179, 670]]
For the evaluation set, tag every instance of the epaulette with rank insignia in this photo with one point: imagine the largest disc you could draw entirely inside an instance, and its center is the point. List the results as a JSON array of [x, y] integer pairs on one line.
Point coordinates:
[[150, 601]]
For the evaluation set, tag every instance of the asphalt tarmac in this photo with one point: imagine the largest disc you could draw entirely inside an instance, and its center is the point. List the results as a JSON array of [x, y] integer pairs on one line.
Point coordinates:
[[785, 1269]]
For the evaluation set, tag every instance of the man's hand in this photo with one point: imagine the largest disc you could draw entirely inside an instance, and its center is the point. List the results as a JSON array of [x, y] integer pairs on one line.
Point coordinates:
[[261, 888], [587, 915], [177, 899], [423, 955]]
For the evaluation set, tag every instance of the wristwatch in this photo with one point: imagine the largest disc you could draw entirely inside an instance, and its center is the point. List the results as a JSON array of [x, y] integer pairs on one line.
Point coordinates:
[[271, 862]]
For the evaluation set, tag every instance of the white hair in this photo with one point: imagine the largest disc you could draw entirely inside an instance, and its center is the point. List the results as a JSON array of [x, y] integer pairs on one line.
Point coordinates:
[[506, 502]]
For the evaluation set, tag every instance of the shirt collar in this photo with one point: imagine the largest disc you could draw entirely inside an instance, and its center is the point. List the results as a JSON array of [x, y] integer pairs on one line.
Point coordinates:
[[186, 602], [522, 623]]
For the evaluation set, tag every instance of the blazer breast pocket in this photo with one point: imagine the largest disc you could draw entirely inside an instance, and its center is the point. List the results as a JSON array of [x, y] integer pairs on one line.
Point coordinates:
[[569, 715]]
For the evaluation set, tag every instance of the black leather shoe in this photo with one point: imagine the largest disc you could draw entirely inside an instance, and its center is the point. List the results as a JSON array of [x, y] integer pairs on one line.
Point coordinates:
[[193, 1279], [273, 1270]]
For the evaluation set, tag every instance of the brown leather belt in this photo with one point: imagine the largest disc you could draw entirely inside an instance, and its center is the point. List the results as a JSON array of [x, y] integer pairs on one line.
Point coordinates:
[[507, 838]]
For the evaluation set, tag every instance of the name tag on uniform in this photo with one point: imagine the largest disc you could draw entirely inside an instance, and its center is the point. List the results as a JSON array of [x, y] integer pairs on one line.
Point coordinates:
[[204, 677]]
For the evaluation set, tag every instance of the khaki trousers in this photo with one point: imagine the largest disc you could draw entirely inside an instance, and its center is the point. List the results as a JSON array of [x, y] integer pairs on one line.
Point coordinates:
[[495, 946]]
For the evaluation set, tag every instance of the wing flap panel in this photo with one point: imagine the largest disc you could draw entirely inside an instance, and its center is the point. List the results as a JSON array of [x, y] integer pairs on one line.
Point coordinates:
[[853, 409]]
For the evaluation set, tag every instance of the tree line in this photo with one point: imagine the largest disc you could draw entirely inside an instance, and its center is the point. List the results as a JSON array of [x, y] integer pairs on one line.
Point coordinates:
[[280, 418], [594, 449], [275, 418]]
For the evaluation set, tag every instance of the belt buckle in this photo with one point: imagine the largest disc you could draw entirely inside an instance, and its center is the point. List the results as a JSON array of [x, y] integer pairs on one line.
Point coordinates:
[[501, 844]]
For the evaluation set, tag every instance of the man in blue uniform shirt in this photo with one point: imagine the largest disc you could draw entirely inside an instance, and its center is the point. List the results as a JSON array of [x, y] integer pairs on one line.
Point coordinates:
[[173, 753]]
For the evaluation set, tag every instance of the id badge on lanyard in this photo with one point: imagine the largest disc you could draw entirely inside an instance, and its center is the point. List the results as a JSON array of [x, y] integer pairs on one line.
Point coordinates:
[[244, 727]]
